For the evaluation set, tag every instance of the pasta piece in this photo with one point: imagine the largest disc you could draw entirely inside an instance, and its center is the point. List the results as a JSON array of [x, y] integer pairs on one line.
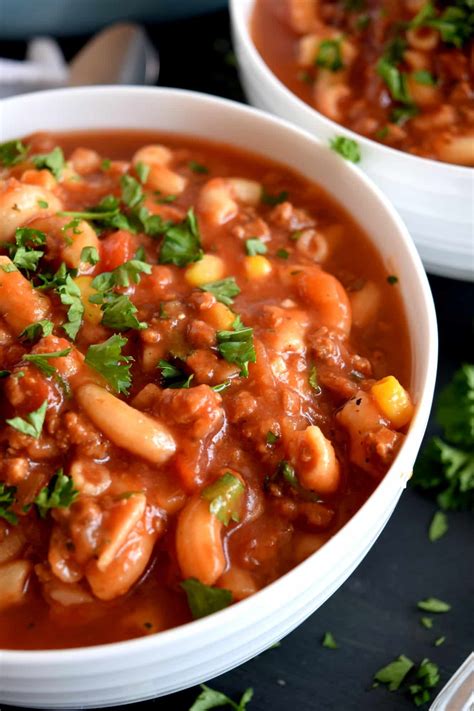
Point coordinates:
[[128, 428], [198, 542], [13, 580], [20, 303], [219, 198], [315, 461]]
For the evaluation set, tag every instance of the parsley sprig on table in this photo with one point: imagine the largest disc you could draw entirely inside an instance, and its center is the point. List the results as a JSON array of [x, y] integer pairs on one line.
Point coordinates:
[[446, 466], [210, 699]]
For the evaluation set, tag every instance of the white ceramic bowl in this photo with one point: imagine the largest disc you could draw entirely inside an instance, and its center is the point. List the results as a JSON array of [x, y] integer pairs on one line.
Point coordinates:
[[172, 660], [436, 200]]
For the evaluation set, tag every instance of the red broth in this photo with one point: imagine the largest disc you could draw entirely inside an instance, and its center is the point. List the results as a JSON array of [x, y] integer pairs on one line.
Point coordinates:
[[400, 73], [249, 422]]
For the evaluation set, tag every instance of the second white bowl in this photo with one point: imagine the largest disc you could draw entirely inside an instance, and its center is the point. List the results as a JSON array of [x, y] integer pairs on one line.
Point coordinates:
[[436, 200]]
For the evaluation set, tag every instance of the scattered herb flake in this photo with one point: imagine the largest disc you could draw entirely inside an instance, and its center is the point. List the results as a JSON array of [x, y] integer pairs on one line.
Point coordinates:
[[427, 622], [198, 167], [32, 425], [203, 599], [329, 55], [174, 377], [142, 170], [40, 360], [224, 290], [54, 162], [273, 200], [182, 243], [438, 642], [225, 498], [237, 346], [394, 673], [433, 604], [438, 526], [90, 255], [282, 253], [107, 359], [210, 698], [346, 147], [254, 246], [272, 438], [37, 330], [7, 499], [59, 494], [392, 279], [12, 152], [329, 641]]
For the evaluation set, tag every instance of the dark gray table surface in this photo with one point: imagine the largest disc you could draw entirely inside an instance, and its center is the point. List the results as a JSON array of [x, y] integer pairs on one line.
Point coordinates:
[[373, 616]]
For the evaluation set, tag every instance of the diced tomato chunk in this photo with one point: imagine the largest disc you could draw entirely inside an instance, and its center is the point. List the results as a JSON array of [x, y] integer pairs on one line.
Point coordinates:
[[116, 249]]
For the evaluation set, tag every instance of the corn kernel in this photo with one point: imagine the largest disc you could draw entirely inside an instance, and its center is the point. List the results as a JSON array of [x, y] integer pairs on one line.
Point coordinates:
[[209, 268], [393, 401], [219, 317], [92, 312], [257, 266]]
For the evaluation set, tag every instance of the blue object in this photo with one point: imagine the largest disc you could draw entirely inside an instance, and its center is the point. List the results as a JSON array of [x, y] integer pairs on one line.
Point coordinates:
[[21, 19]]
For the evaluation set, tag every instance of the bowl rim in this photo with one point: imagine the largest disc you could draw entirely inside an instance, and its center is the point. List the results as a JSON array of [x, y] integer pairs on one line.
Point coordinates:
[[240, 22], [10, 659]]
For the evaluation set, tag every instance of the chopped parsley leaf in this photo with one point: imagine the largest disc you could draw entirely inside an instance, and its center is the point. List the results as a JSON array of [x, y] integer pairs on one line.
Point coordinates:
[[53, 162], [203, 599], [197, 167], [132, 193], [446, 468], [288, 473], [43, 204], [24, 254], [426, 622], [392, 279], [401, 114], [37, 330], [424, 77], [329, 641], [382, 133], [121, 276], [118, 312], [395, 80], [224, 290], [329, 55], [70, 295], [225, 498], [394, 673], [439, 641], [237, 346], [32, 425], [221, 386], [271, 438], [269, 199], [346, 147], [255, 246], [4, 373], [438, 526], [105, 165], [210, 698], [313, 379], [181, 243], [107, 359], [282, 253], [59, 494], [142, 170], [7, 498], [40, 360], [433, 604], [426, 677], [12, 152], [90, 255], [173, 377]]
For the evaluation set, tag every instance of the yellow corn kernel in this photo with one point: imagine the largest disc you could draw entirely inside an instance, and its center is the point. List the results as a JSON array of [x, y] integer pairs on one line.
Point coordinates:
[[393, 401], [257, 266], [92, 312], [209, 268], [219, 317]]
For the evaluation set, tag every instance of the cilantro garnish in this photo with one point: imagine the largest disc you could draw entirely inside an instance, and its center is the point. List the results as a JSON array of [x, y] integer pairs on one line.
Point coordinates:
[[455, 24], [118, 312], [313, 379], [221, 386], [329, 641], [210, 698], [237, 346], [70, 295], [132, 193], [439, 641], [40, 360], [12, 152], [37, 330], [7, 498], [197, 167], [447, 467], [182, 242], [105, 165], [203, 599], [224, 290], [59, 494], [282, 253], [142, 170], [329, 55], [426, 622], [4, 373], [426, 677], [272, 200], [346, 147], [424, 77], [395, 80], [394, 673], [438, 526], [90, 255], [173, 377], [433, 604], [32, 425], [24, 254], [121, 276], [392, 279], [53, 161], [43, 204], [401, 114], [271, 437], [108, 360], [288, 472], [225, 498], [255, 246]]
